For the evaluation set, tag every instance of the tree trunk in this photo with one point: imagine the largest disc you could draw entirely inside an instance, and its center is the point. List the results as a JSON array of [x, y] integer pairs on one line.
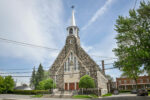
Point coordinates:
[[136, 83]]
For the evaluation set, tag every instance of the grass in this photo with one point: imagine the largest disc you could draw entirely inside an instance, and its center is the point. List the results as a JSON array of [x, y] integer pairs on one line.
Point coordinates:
[[37, 96], [106, 95], [85, 96], [148, 93]]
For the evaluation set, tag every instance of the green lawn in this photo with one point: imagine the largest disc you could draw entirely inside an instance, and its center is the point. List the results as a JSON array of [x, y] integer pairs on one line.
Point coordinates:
[[106, 95], [85, 96], [37, 96]]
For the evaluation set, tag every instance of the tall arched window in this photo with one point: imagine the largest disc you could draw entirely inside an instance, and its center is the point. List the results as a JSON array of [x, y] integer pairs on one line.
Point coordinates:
[[71, 56], [68, 65], [74, 63], [65, 69]]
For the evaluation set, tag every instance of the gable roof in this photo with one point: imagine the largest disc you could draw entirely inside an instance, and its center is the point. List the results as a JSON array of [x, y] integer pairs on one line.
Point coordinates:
[[79, 52]]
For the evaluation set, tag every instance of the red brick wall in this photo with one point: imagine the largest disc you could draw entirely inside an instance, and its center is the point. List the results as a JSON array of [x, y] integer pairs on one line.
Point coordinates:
[[128, 81]]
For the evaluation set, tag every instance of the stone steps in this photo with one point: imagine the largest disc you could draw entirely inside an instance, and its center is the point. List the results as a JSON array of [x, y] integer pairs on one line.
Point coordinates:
[[61, 94]]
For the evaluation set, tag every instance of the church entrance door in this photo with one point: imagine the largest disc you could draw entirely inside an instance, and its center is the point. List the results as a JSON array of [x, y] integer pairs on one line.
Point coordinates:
[[71, 86], [66, 86]]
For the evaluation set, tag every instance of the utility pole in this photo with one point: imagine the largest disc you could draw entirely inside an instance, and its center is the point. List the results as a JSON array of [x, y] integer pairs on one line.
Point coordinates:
[[103, 67]]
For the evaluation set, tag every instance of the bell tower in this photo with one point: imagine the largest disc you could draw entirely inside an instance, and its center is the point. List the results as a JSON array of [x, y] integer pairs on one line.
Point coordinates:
[[73, 29]]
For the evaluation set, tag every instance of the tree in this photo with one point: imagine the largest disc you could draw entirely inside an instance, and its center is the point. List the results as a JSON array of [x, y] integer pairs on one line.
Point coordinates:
[[46, 74], [2, 87], [133, 42], [46, 84], [33, 79], [9, 83], [86, 82], [109, 78], [39, 75]]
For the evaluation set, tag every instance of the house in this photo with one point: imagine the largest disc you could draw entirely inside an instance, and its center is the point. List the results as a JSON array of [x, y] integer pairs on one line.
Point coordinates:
[[129, 84]]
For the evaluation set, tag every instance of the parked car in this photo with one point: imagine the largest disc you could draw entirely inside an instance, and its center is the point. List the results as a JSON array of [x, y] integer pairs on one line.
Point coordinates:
[[134, 91], [115, 92], [142, 92]]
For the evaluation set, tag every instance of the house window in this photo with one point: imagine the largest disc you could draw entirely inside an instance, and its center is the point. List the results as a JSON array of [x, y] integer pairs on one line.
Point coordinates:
[[119, 81], [131, 81], [125, 81], [141, 80], [147, 80], [70, 41]]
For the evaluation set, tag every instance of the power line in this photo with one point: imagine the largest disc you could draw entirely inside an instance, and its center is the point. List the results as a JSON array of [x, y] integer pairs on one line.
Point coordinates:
[[39, 46], [22, 69], [104, 57], [26, 44], [16, 76], [110, 68], [46, 67], [15, 72]]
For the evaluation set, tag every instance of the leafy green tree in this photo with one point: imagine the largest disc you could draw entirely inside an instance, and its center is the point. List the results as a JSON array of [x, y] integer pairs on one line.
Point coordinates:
[[39, 75], [133, 41], [46, 75], [109, 78], [33, 79], [86, 82], [46, 84], [9, 83], [2, 87]]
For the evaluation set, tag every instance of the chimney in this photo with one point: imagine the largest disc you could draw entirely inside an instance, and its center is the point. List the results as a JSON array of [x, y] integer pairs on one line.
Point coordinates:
[[103, 67]]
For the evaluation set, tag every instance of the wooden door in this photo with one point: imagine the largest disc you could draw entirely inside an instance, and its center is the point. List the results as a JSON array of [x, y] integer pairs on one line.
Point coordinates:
[[77, 86], [66, 86], [71, 86]]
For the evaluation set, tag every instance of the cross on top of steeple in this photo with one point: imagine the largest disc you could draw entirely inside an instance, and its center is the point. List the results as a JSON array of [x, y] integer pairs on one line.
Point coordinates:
[[72, 6]]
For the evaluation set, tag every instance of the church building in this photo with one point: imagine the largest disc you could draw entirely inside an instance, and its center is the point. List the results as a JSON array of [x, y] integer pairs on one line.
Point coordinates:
[[73, 62]]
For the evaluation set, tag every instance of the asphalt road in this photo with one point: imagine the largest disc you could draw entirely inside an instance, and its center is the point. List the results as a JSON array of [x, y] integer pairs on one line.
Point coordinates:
[[27, 97]]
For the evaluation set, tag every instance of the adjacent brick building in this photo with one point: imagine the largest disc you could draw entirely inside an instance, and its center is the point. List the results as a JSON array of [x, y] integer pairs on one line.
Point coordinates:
[[129, 84], [73, 62]]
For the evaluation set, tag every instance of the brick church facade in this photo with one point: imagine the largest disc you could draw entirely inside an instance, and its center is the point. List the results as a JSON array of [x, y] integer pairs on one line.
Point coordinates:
[[73, 62]]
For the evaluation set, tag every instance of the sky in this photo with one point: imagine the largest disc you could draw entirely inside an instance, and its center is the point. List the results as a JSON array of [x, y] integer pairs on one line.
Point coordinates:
[[44, 23]]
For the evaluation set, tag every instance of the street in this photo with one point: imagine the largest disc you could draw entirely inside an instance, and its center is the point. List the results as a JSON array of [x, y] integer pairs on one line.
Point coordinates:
[[29, 97]]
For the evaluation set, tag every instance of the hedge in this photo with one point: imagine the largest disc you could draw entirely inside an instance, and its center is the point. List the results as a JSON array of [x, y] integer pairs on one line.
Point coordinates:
[[31, 92], [124, 91]]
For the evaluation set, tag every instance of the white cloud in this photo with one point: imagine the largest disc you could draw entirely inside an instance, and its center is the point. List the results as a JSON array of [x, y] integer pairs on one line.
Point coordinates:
[[31, 21], [98, 13]]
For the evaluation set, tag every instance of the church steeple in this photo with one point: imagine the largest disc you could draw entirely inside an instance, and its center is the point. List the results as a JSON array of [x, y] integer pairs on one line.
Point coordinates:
[[73, 29], [73, 23]]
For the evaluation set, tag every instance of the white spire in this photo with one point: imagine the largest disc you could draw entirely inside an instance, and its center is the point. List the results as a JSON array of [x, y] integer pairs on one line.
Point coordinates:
[[73, 23]]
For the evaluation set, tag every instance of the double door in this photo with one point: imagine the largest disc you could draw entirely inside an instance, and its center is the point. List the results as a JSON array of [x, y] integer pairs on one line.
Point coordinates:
[[71, 86]]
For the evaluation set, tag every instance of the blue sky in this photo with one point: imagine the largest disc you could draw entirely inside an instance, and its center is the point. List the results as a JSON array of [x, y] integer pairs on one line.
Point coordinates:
[[44, 22]]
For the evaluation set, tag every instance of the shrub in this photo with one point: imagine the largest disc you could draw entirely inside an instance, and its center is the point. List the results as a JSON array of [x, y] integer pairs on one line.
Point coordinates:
[[46, 84], [86, 82], [124, 91], [9, 83], [30, 92], [2, 87], [6, 84]]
